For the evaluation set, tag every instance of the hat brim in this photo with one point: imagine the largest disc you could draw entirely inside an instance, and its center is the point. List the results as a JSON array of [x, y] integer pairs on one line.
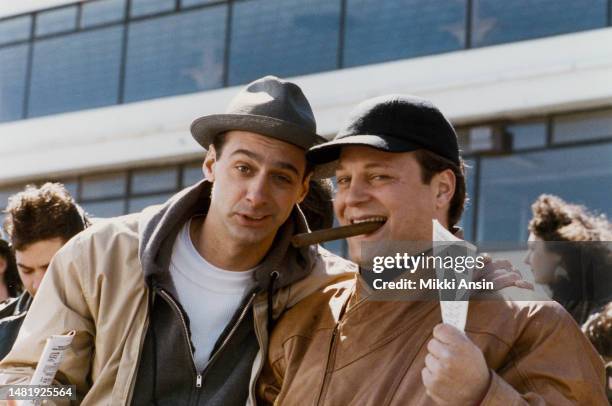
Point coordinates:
[[204, 129], [330, 151]]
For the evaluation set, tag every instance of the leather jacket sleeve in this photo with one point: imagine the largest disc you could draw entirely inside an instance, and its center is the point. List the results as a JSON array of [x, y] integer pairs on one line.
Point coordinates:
[[538, 372]]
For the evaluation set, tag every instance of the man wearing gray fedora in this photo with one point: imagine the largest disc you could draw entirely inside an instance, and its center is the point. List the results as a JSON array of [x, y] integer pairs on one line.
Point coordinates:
[[173, 305]]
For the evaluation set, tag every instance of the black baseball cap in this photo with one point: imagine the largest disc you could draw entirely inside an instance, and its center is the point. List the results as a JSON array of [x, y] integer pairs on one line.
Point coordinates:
[[393, 123]]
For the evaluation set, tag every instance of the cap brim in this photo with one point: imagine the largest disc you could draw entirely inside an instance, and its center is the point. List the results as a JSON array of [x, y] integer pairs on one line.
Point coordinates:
[[204, 129], [330, 151]]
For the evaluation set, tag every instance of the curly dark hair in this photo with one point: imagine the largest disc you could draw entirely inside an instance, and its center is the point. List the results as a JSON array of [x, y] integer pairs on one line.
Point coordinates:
[[582, 240], [556, 220], [37, 214], [11, 275], [598, 329]]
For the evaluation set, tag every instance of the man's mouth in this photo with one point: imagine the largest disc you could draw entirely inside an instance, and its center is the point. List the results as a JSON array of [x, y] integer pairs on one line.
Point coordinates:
[[369, 219], [252, 219], [372, 219], [256, 218]]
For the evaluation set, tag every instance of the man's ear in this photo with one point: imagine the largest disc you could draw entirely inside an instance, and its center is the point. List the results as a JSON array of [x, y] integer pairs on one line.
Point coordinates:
[[305, 187], [443, 188], [209, 164]]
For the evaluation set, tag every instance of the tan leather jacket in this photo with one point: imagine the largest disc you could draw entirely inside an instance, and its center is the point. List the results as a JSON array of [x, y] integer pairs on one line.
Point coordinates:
[[334, 348], [95, 286]]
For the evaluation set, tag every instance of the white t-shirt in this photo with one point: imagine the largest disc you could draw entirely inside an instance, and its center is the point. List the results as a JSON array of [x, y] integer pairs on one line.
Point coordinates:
[[209, 295]]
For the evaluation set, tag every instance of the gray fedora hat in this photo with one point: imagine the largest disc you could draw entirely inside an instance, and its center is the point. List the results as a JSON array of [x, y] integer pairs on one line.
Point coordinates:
[[268, 106]]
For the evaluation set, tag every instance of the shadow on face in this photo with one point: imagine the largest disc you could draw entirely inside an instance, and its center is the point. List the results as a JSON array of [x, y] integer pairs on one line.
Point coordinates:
[[33, 261]]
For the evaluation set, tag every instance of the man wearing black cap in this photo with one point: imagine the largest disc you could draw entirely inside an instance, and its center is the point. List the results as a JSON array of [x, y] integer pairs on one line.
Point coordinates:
[[399, 163], [173, 305]]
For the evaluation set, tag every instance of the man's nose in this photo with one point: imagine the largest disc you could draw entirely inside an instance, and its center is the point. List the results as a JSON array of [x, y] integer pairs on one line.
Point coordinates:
[[356, 193], [35, 285], [40, 274], [258, 191]]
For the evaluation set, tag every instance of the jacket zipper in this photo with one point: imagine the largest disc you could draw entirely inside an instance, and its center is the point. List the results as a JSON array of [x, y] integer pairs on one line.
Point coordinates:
[[331, 358], [200, 376], [172, 303], [217, 353]]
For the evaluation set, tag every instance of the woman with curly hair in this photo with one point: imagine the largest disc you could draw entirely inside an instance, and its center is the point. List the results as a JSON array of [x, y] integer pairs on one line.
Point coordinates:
[[569, 251], [10, 284]]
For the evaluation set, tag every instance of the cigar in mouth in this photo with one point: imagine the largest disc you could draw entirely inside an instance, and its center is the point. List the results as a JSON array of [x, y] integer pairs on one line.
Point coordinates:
[[337, 233]]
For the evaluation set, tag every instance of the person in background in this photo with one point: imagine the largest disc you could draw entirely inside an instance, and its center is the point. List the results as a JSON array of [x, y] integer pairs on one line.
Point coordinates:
[[39, 222], [10, 284], [569, 252], [598, 329]]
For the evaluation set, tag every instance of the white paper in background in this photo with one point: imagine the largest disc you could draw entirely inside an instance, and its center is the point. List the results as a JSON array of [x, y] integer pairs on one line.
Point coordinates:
[[453, 312], [49, 362]]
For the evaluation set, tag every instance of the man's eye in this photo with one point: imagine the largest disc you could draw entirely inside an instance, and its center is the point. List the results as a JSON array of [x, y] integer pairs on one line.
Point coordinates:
[[284, 179], [380, 177], [243, 168], [343, 180]]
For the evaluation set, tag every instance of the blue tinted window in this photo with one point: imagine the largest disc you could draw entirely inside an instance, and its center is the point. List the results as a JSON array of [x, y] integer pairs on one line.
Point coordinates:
[[15, 29], [379, 31], [104, 209], [175, 54], [284, 38], [528, 134], [188, 3], [144, 7], [13, 63], [495, 21], [582, 126], [102, 11], [154, 180], [509, 185], [467, 220], [7, 192], [77, 71], [103, 185], [60, 20], [136, 204], [192, 174]]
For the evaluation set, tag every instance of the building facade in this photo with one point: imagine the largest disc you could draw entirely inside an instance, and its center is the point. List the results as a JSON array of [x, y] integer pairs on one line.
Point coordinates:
[[100, 94]]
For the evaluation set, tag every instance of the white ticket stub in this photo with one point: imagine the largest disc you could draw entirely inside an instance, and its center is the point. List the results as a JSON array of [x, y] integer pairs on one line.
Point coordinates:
[[49, 362], [453, 312]]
